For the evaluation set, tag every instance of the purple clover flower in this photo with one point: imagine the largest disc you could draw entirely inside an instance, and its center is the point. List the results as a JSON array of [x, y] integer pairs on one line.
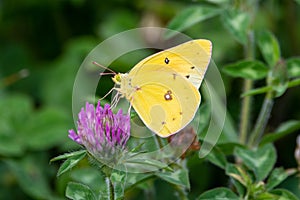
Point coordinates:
[[101, 132]]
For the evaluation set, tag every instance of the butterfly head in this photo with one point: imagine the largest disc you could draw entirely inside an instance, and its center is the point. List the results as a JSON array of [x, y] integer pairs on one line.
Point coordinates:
[[117, 78]]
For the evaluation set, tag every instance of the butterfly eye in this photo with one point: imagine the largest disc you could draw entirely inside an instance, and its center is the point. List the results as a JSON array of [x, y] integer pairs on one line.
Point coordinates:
[[117, 78]]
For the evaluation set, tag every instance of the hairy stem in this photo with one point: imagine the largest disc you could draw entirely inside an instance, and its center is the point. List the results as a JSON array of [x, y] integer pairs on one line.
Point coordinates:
[[245, 112], [181, 193], [248, 84], [262, 119], [109, 188]]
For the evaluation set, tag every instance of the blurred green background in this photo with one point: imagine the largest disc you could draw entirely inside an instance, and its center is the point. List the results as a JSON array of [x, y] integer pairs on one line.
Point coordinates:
[[42, 44]]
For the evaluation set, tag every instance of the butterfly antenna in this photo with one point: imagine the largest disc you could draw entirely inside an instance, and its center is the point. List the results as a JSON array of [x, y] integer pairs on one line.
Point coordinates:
[[103, 67], [110, 73]]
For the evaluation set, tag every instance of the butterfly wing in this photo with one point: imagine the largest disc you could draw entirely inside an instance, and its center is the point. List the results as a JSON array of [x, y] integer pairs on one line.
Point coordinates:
[[166, 103], [189, 60]]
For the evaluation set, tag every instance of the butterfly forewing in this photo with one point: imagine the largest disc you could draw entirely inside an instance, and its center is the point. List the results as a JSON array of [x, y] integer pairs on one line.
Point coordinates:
[[165, 102], [189, 60]]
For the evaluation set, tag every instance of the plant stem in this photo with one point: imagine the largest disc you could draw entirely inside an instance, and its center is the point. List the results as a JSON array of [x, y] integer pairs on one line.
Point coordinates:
[[159, 142], [262, 120], [245, 112], [109, 188], [248, 84], [182, 194]]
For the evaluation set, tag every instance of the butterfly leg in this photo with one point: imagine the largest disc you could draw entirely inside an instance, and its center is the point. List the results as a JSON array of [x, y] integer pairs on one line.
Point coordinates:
[[115, 100], [107, 93], [129, 109]]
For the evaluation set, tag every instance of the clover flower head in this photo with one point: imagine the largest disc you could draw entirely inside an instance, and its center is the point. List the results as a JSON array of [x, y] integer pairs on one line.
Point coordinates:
[[103, 133]]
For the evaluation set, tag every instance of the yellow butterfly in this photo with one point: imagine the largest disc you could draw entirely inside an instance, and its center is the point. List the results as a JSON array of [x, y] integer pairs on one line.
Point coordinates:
[[163, 88]]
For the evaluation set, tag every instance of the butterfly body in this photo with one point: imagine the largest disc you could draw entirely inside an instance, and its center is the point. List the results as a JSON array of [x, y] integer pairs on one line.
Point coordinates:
[[163, 88]]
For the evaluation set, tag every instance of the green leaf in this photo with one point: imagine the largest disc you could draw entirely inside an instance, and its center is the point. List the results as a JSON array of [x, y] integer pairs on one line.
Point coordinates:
[[78, 191], [277, 176], [298, 1], [90, 176], [278, 78], [217, 157], [221, 193], [265, 89], [177, 177], [47, 128], [284, 129], [229, 133], [269, 47], [257, 91], [266, 196], [247, 69], [190, 16], [284, 194], [135, 178], [293, 67], [261, 160], [68, 155], [294, 83], [204, 117], [142, 162], [228, 148], [70, 163], [219, 1], [239, 183], [30, 175], [237, 23], [15, 111]]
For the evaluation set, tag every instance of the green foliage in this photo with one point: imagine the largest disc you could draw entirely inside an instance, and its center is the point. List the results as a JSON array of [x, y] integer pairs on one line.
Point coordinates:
[[237, 23], [179, 177], [218, 193], [284, 129], [190, 16], [248, 178], [293, 67], [260, 161], [254, 41], [269, 47], [22, 129], [77, 191], [72, 159], [276, 177], [29, 172], [247, 69]]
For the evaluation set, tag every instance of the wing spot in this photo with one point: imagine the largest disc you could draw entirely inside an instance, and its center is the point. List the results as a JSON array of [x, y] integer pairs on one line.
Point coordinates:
[[193, 67], [168, 95], [188, 76], [180, 113], [167, 60], [174, 75], [137, 88], [173, 118], [163, 123]]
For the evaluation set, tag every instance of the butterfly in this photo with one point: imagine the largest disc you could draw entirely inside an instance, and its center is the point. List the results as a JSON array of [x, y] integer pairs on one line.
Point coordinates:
[[163, 88]]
